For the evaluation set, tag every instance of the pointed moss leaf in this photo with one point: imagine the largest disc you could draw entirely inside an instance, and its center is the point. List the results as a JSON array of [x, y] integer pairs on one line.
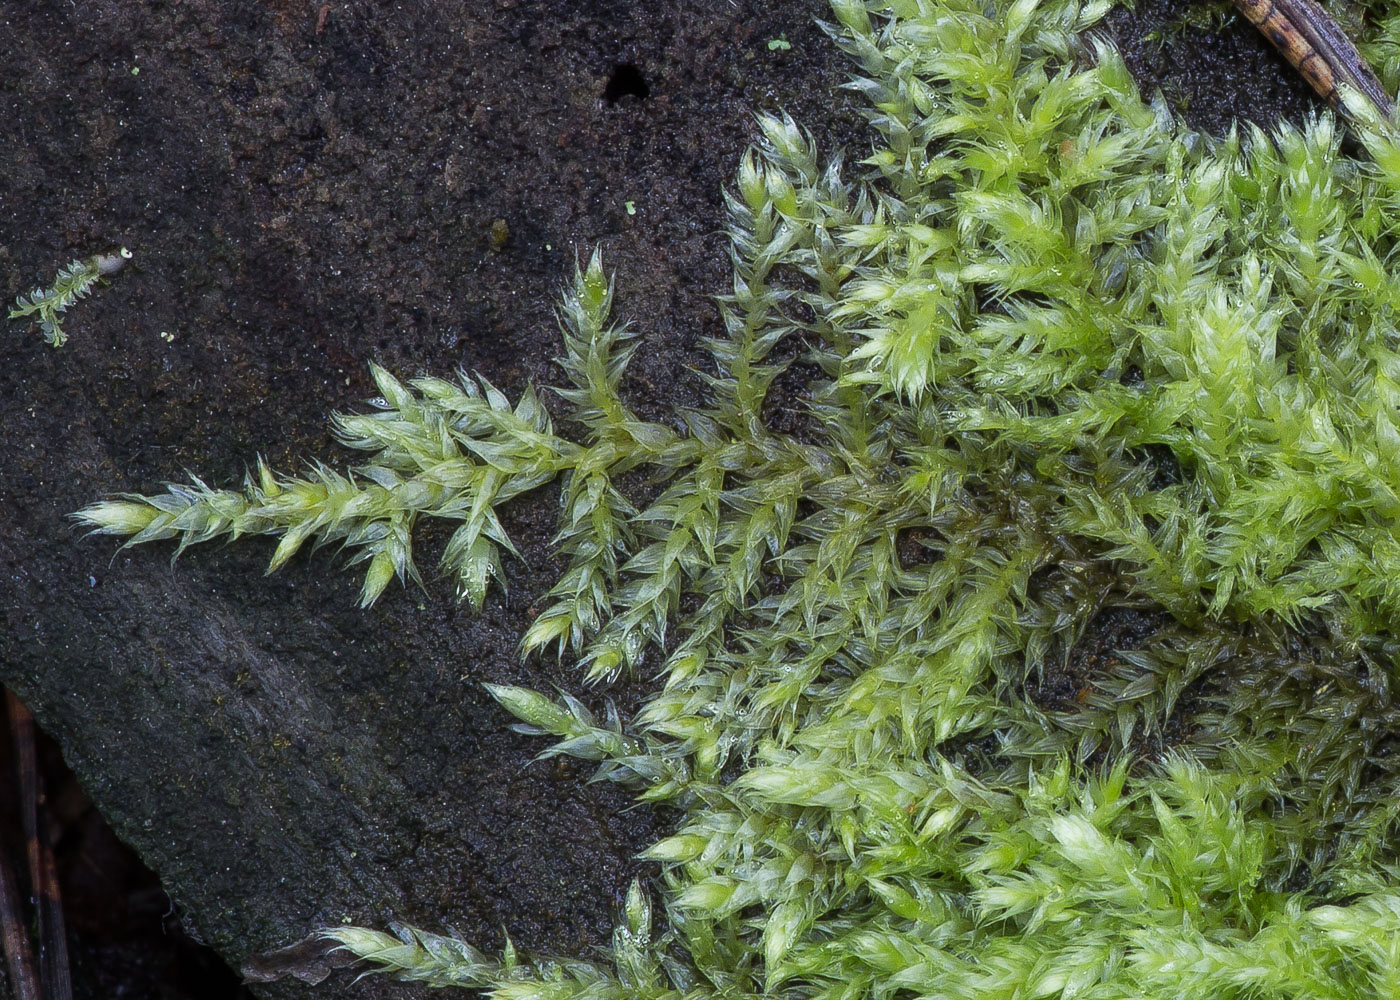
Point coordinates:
[[536, 709]]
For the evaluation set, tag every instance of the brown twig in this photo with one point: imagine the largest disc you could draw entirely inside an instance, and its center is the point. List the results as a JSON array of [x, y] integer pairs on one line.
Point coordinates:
[[19, 958], [55, 978], [1318, 49]]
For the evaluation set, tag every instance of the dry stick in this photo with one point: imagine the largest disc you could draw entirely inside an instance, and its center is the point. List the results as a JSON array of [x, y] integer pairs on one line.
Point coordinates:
[[1317, 48], [19, 955], [54, 975], [24, 984], [57, 977]]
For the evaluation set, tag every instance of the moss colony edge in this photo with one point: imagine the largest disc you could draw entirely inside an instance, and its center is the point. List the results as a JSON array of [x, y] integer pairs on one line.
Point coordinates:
[[1074, 358]]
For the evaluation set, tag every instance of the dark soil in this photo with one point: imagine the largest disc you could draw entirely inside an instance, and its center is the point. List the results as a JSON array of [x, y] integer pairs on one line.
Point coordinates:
[[307, 188]]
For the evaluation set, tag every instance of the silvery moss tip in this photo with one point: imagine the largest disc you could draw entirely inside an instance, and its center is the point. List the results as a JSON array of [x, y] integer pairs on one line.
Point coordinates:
[[74, 282], [421, 956]]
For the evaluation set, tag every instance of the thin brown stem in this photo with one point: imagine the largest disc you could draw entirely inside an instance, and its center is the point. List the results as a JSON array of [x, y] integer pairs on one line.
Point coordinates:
[[19, 956], [54, 976], [14, 934]]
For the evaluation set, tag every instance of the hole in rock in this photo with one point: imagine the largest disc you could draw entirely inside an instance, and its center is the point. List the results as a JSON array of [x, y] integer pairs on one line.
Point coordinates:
[[626, 80]]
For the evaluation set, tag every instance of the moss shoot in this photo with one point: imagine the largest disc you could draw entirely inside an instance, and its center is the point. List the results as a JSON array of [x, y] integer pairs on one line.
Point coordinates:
[[1070, 358]]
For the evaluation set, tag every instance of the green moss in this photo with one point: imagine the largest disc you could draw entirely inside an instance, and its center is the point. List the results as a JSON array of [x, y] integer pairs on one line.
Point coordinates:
[[71, 284], [1073, 358]]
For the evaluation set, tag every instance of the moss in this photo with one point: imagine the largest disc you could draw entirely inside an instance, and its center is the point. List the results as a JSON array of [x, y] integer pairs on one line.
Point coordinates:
[[1068, 359], [72, 283]]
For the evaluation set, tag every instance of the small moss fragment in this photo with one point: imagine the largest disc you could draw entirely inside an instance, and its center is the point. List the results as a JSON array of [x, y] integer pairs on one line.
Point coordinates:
[[74, 282], [500, 234]]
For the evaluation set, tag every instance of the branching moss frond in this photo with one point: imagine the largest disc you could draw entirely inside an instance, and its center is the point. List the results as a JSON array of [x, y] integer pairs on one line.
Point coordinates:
[[71, 284]]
